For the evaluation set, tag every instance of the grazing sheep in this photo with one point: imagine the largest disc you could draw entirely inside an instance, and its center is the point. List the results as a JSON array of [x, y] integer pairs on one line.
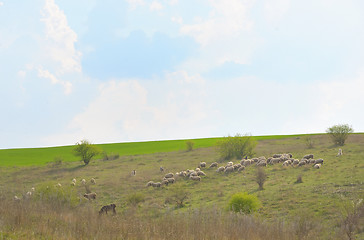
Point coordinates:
[[277, 155], [73, 184], [161, 169], [169, 175], [16, 199], [317, 166], [229, 164], [295, 162], [308, 156], [90, 196], [302, 162], [261, 164], [93, 181], [106, 208], [202, 164], [286, 163], [133, 173], [157, 184], [241, 168], [149, 183], [197, 169], [195, 178], [229, 169], [28, 195], [247, 162], [237, 166], [274, 160], [220, 169], [319, 161], [83, 181], [340, 153], [74, 180], [214, 164], [193, 173], [32, 189], [201, 173], [170, 180], [59, 185], [165, 182]]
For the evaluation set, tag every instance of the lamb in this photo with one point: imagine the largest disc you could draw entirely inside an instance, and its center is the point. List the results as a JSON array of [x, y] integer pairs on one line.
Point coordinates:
[[195, 178], [90, 196], [169, 175], [229, 169], [340, 153], [202, 164], [308, 156], [317, 166], [93, 181], [220, 169], [214, 164]]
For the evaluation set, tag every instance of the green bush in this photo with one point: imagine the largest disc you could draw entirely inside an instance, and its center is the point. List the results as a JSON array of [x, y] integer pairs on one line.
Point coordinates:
[[189, 145], [135, 198], [244, 203], [57, 196], [339, 133], [236, 147]]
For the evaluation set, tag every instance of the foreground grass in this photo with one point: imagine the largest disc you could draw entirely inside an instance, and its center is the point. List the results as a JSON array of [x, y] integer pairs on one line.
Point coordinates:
[[313, 209]]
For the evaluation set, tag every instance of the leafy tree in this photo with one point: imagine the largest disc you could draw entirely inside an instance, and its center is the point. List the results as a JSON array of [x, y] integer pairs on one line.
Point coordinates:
[[244, 203], [237, 147], [339, 133], [189, 145], [86, 151]]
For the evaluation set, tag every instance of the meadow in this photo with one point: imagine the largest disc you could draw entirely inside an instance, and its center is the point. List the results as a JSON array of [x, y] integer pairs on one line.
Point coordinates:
[[317, 208]]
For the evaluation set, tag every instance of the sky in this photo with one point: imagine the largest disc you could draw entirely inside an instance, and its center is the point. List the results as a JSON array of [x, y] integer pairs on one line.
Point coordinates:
[[140, 70]]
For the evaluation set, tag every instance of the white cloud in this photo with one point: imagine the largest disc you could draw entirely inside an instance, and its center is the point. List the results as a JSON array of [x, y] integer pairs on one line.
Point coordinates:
[[54, 80], [274, 10], [60, 39], [1, 4], [156, 6], [133, 4]]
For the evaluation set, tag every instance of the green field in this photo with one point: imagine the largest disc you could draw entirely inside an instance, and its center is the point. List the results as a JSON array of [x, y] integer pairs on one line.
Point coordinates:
[[42, 156], [312, 209]]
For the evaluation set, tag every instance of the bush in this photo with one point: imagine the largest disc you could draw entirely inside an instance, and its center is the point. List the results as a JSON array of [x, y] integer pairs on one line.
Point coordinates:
[[57, 196], [244, 203], [86, 151], [339, 133], [260, 177], [189, 145], [135, 198], [309, 142], [179, 196], [236, 147]]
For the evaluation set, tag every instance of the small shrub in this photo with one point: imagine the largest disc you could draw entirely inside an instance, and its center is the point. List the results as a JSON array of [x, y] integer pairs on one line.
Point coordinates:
[[236, 147], [260, 177], [244, 203], [57, 162], [309, 142], [57, 196], [179, 196], [189, 145], [135, 198], [339, 133], [111, 156]]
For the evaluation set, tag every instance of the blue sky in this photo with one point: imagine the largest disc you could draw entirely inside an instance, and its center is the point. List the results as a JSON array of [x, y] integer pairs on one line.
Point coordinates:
[[138, 70]]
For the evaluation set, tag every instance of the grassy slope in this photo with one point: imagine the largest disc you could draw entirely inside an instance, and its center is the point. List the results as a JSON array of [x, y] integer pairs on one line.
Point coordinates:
[[41, 156], [320, 195]]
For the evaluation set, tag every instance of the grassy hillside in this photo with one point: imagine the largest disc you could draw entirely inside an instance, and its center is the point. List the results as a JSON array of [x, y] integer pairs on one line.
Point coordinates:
[[42, 156], [312, 207]]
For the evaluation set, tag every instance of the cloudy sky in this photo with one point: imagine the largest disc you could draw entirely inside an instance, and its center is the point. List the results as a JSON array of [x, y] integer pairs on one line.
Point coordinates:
[[137, 70]]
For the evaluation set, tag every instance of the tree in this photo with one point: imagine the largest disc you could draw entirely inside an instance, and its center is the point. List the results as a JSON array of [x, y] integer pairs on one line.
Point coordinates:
[[189, 145], [339, 133], [237, 147], [86, 151]]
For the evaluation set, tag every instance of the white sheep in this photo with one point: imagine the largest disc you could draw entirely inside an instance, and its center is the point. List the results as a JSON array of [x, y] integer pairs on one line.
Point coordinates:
[[197, 169], [169, 175], [73, 184], [195, 178], [74, 180], [317, 166], [308, 156], [201, 173], [83, 181], [220, 169], [340, 153], [229, 169], [16, 199], [59, 185], [90, 196], [241, 168], [32, 189], [202, 164], [150, 183], [229, 164], [157, 184], [170, 180], [214, 164], [133, 173], [28, 195], [93, 181], [321, 161]]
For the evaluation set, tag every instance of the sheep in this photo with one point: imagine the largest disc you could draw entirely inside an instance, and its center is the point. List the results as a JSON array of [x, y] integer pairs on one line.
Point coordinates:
[[317, 166], [90, 196], [161, 169], [149, 183], [319, 161], [214, 164], [340, 153], [237, 166], [247, 163], [133, 173], [295, 162], [83, 181], [74, 180], [202, 164], [169, 175], [194, 173], [197, 169], [308, 156], [73, 184], [93, 181], [170, 180], [229, 164], [28, 195], [106, 208], [255, 160], [16, 199], [157, 184], [165, 182], [302, 162], [229, 170], [261, 164], [32, 189], [274, 160], [201, 173], [195, 178], [286, 163], [59, 185], [220, 169], [277, 155], [241, 168]]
